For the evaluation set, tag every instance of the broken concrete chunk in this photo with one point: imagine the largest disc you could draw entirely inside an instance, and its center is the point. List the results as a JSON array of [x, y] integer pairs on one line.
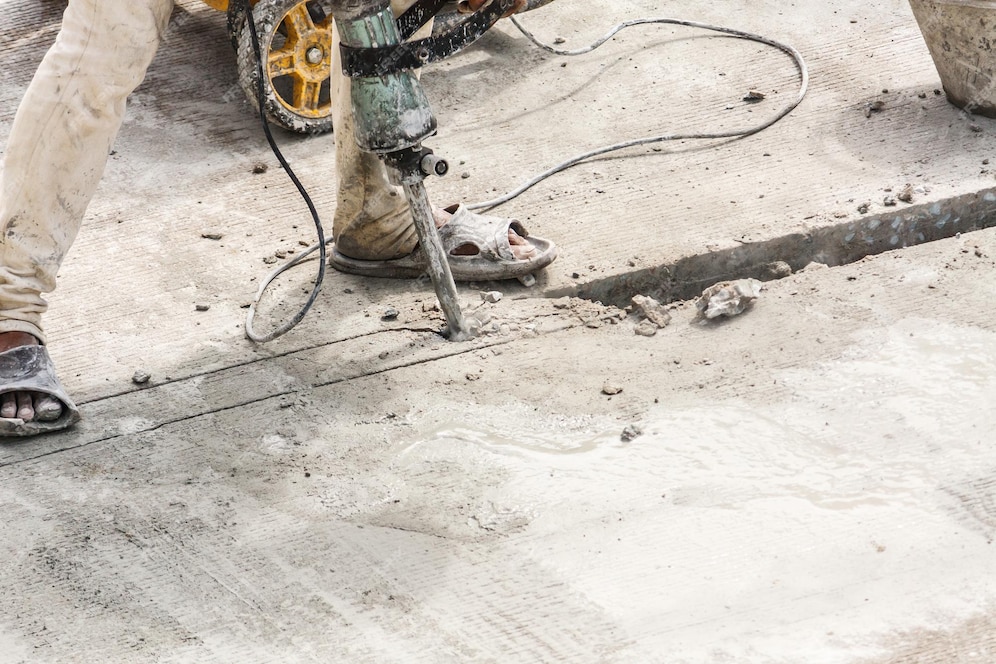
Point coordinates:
[[778, 270], [141, 377], [492, 297], [646, 328], [652, 310], [728, 298], [631, 433], [906, 195]]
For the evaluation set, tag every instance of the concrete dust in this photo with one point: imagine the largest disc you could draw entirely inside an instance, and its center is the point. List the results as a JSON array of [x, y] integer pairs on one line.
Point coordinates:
[[811, 482]]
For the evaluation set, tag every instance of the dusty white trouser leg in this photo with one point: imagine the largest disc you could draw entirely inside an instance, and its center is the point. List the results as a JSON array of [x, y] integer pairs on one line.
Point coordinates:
[[60, 140], [372, 219]]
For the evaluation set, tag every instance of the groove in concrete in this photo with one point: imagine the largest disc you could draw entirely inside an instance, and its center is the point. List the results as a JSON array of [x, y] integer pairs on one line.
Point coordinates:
[[832, 245]]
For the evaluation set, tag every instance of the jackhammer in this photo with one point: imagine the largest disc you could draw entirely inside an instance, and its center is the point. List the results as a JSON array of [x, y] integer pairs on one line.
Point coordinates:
[[392, 114]]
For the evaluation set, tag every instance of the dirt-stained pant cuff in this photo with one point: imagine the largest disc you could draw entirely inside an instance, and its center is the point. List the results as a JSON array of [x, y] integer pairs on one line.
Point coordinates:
[[11, 325]]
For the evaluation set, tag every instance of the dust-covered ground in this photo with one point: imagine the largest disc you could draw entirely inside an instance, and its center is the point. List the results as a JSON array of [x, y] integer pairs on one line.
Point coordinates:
[[812, 481]]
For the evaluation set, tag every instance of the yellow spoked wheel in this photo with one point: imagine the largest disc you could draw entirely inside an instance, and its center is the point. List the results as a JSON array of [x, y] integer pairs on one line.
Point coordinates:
[[296, 42], [295, 39]]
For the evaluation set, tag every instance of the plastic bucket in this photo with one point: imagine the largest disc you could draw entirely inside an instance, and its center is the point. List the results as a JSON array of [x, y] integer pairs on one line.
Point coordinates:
[[961, 37]]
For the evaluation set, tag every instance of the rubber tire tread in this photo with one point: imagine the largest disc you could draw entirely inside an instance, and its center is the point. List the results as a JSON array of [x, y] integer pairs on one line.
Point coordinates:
[[267, 14]]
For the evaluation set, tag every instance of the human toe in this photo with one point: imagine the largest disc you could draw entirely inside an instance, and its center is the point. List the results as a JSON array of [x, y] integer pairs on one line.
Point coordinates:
[[47, 408]]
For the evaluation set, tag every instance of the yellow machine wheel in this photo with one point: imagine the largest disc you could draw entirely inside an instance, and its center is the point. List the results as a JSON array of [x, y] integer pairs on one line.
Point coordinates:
[[296, 41]]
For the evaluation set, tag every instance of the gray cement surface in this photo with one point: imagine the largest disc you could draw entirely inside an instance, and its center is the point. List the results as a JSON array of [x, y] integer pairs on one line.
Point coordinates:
[[811, 481]]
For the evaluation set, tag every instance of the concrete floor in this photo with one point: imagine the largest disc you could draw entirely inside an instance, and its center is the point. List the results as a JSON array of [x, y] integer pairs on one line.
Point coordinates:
[[814, 479]]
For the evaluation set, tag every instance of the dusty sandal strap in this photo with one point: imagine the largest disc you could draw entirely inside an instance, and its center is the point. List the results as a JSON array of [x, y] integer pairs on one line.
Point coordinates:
[[491, 260]]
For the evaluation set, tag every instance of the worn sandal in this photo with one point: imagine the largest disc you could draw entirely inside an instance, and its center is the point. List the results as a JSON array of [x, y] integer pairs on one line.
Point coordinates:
[[29, 368], [477, 249]]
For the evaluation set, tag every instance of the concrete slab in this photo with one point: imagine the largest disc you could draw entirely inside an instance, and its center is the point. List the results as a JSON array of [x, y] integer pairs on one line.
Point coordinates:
[[812, 482]]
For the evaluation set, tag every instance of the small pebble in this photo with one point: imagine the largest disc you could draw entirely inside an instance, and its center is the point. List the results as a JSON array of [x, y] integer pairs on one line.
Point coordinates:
[[631, 433], [211, 236], [202, 307], [492, 297], [390, 314], [559, 40], [141, 377], [610, 389], [259, 168], [465, 175], [874, 107], [889, 201], [863, 208], [646, 329]]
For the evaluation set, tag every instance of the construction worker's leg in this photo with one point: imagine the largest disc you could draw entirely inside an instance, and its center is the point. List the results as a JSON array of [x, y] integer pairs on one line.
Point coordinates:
[[59, 143], [372, 219], [56, 151]]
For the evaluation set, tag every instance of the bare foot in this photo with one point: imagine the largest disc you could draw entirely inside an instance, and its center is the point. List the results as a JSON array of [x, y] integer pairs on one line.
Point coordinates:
[[26, 406]]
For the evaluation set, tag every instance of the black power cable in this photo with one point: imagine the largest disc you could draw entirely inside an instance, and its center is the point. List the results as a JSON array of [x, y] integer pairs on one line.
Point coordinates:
[[261, 100]]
